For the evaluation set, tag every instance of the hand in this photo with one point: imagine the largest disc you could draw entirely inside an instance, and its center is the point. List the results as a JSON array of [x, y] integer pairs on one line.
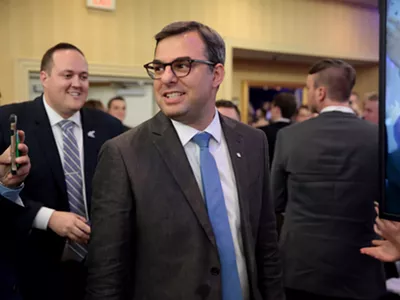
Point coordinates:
[[70, 225], [6, 178], [393, 41], [385, 251]]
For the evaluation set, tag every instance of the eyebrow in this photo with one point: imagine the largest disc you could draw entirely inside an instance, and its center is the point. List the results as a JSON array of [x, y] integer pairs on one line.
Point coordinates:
[[157, 61], [71, 71]]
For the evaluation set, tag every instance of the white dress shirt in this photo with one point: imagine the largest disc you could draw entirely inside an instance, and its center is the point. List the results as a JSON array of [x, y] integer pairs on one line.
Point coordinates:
[[43, 216], [344, 109], [219, 149]]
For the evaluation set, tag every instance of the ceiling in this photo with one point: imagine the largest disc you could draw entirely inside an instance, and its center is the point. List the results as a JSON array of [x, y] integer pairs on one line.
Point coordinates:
[[248, 54], [372, 3]]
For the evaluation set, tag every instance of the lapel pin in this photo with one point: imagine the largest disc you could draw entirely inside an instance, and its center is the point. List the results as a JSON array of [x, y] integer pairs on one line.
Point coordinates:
[[238, 155], [91, 134]]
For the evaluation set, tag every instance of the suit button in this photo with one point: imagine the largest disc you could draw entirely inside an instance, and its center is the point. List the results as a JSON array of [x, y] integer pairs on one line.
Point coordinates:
[[215, 271]]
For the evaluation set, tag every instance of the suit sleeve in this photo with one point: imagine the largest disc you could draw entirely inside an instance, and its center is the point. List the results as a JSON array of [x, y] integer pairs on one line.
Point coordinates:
[[278, 176], [110, 247], [267, 253], [18, 219]]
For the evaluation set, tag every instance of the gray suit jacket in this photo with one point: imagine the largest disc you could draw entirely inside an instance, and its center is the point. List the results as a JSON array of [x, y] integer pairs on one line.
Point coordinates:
[[325, 177], [152, 238]]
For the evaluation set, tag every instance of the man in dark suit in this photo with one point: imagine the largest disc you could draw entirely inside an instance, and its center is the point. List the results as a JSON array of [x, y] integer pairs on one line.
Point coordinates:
[[181, 206], [283, 107], [325, 178], [64, 141], [12, 227]]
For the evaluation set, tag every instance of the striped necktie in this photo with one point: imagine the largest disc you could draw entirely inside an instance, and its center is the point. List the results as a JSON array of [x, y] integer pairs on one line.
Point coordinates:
[[73, 179]]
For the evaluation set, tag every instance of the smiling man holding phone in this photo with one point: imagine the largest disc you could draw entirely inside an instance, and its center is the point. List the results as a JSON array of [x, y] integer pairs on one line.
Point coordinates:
[[63, 140]]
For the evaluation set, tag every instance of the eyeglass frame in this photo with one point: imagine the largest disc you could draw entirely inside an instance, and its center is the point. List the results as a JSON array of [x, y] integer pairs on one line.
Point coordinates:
[[190, 60]]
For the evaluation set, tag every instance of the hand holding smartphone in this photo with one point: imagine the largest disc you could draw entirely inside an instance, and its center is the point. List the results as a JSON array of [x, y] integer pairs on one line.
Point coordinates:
[[14, 143]]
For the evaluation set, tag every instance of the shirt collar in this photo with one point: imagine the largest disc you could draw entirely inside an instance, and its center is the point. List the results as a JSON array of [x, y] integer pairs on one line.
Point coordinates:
[[186, 133], [344, 109], [55, 118]]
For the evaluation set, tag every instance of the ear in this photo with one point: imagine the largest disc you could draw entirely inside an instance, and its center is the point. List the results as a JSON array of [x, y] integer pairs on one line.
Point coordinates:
[[321, 93], [219, 74], [44, 77]]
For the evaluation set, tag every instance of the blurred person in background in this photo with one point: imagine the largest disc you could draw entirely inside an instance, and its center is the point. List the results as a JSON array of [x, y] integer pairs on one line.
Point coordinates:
[[355, 103], [371, 108], [303, 114], [228, 109], [116, 107], [283, 107], [95, 104]]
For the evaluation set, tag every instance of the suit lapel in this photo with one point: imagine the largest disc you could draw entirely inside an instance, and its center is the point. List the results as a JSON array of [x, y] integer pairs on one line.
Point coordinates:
[[90, 145], [235, 142], [170, 148], [47, 143]]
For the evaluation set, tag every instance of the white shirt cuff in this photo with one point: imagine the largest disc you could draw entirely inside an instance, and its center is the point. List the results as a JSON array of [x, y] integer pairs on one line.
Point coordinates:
[[42, 218]]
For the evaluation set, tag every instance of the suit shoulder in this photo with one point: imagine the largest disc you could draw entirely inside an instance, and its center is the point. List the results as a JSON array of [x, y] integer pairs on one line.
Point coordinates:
[[22, 110], [137, 133], [101, 115]]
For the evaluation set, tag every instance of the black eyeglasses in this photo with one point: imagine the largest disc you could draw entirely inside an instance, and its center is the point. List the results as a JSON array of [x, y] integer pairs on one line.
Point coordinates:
[[181, 67]]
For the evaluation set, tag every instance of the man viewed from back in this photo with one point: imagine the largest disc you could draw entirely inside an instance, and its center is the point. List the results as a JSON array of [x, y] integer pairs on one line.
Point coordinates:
[[283, 107], [325, 178], [181, 204], [117, 108], [228, 109], [371, 108]]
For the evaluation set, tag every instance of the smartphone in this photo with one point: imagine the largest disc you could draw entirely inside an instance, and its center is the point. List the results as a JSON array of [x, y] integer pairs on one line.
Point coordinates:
[[14, 143]]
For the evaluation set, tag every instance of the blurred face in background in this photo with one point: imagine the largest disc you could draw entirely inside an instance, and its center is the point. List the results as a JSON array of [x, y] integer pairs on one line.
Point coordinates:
[[371, 111], [303, 115], [229, 112], [66, 84], [118, 109]]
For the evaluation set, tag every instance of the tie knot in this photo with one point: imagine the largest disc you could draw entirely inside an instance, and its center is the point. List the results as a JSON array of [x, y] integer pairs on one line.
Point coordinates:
[[202, 139], [66, 124]]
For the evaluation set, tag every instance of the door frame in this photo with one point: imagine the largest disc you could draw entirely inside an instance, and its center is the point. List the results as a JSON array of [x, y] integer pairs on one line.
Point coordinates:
[[245, 91]]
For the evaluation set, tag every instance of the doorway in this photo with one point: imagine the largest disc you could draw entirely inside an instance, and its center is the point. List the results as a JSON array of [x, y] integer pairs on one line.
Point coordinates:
[[257, 93]]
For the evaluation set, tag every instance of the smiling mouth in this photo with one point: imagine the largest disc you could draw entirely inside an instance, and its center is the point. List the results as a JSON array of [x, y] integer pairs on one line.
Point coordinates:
[[172, 95], [74, 94]]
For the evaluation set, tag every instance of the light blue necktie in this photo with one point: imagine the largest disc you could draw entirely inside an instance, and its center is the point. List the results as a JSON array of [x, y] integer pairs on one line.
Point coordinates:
[[214, 198], [73, 178]]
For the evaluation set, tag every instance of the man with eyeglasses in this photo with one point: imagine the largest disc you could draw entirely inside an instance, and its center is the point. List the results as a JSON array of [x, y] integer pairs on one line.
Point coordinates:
[[181, 206]]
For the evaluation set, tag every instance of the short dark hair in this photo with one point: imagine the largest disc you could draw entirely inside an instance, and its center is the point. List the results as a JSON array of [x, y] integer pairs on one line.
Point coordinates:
[[227, 104], [287, 104], [214, 44], [114, 99], [93, 103], [373, 96], [47, 59], [337, 76]]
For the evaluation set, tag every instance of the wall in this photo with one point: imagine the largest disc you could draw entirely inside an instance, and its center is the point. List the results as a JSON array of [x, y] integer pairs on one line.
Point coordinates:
[[367, 80], [267, 71], [295, 73], [125, 37]]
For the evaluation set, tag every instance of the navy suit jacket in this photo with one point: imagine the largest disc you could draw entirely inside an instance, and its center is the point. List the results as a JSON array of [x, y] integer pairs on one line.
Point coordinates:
[[34, 255]]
